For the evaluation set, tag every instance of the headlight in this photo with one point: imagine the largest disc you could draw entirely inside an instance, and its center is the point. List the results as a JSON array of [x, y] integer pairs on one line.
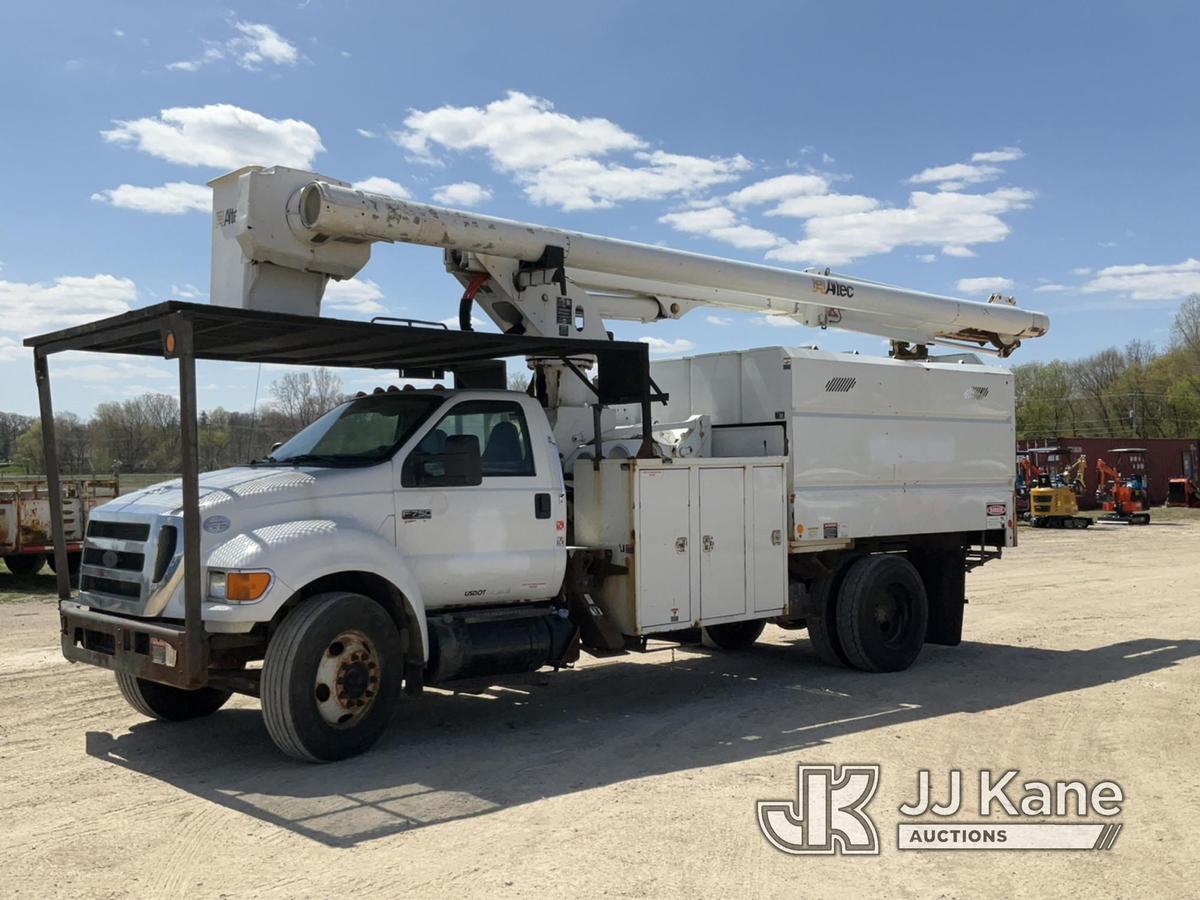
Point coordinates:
[[237, 587]]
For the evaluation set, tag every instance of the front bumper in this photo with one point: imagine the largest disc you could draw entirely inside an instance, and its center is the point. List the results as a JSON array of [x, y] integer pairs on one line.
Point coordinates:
[[155, 650]]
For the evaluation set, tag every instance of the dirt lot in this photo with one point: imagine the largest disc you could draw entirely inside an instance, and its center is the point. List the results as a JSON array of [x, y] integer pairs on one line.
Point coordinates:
[[638, 776]]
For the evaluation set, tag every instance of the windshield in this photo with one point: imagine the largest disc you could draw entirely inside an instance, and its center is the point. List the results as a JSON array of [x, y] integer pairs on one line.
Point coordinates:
[[360, 432]]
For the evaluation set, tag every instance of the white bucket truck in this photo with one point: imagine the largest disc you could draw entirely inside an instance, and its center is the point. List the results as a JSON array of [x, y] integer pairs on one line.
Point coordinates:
[[420, 536]]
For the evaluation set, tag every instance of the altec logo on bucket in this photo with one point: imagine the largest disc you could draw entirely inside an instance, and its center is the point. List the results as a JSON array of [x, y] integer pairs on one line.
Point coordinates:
[[829, 814]]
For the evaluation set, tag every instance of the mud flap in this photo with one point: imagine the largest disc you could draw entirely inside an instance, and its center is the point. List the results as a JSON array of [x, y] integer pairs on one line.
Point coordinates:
[[945, 576], [597, 632]]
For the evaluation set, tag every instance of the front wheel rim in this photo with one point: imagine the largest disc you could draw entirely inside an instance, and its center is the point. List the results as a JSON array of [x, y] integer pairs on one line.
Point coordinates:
[[347, 680]]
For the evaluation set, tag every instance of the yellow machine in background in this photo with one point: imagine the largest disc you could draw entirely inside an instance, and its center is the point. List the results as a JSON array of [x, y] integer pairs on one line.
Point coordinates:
[[1053, 505]]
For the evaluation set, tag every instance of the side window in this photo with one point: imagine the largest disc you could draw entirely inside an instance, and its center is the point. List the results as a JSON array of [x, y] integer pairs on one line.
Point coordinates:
[[502, 432]]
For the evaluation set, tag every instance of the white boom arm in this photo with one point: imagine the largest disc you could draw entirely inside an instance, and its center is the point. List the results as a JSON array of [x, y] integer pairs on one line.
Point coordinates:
[[279, 234]]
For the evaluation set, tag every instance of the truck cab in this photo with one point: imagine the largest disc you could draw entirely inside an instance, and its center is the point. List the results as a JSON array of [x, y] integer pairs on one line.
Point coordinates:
[[456, 497]]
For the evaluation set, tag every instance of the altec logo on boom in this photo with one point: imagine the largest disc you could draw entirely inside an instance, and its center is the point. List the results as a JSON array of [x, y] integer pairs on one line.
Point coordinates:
[[829, 815], [829, 286]]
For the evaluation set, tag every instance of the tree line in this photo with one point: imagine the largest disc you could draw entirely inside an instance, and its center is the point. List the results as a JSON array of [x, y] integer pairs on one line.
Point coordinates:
[[1139, 391], [142, 434]]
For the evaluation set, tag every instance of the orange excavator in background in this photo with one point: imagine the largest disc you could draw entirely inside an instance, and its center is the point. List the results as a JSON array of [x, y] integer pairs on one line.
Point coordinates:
[[1124, 498]]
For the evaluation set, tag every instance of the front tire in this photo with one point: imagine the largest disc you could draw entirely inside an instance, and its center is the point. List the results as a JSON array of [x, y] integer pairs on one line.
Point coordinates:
[[331, 675], [735, 635], [169, 704], [882, 614]]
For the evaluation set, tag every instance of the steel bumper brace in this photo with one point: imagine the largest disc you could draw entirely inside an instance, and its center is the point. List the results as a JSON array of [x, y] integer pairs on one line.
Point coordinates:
[[156, 651]]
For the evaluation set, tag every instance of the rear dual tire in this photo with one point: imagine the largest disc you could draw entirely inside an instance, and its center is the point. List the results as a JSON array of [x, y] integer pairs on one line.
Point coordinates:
[[872, 613]]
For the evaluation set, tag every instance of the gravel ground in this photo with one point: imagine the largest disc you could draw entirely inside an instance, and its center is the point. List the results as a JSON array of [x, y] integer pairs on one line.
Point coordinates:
[[638, 775]]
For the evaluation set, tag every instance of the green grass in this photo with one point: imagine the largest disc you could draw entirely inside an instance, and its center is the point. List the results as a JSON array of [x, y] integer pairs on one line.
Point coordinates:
[[135, 481], [41, 586]]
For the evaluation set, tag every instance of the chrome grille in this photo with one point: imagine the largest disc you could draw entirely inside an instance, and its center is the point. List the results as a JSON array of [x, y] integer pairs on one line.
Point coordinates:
[[125, 562]]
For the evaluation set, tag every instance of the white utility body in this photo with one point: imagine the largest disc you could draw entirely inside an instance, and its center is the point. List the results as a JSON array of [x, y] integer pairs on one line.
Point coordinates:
[[412, 537]]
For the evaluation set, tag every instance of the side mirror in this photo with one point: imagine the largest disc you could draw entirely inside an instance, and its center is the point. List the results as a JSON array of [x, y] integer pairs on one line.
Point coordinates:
[[275, 446], [456, 466]]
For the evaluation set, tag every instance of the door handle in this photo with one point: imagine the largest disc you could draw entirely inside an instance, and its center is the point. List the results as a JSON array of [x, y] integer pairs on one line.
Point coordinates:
[[541, 506], [776, 537], [681, 545], [709, 543]]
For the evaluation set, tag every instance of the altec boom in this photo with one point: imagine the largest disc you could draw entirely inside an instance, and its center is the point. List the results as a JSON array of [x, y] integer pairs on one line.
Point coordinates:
[[313, 227]]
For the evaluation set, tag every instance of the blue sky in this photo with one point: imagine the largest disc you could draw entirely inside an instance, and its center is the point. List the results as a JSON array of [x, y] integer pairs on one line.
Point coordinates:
[[1046, 149]]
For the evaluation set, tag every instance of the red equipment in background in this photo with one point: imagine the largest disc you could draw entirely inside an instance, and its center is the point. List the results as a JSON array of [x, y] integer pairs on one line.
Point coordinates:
[[1123, 496]]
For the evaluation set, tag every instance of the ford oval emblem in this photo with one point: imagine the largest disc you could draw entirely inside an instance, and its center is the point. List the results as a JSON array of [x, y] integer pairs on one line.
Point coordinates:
[[216, 524]]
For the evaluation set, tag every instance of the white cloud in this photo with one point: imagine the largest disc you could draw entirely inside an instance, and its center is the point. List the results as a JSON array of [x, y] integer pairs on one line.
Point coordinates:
[[719, 223], [108, 368], [188, 292], [1004, 154], [1172, 281], [823, 205], [591, 184], [956, 175], [1049, 288], [939, 219], [658, 346], [558, 158], [1082, 270], [988, 284], [776, 321], [721, 321], [252, 46], [377, 184], [366, 133], [258, 44], [219, 135], [11, 350], [958, 250], [782, 187], [519, 133], [172, 198], [354, 295], [927, 257], [117, 32], [32, 308], [462, 193]]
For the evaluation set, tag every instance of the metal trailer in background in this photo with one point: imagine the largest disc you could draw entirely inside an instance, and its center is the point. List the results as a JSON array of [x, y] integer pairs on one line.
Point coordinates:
[[1167, 459], [26, 519]]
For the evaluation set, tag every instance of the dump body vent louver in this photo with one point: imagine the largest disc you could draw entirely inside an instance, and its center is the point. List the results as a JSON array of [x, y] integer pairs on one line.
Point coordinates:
[[979, 393], [840, 384]]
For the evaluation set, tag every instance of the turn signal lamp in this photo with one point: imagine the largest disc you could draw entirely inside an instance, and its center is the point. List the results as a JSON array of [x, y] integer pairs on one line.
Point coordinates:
[[238, 587]]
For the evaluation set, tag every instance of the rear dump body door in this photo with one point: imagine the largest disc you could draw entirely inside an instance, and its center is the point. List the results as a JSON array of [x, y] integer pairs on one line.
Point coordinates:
[[503, 540]]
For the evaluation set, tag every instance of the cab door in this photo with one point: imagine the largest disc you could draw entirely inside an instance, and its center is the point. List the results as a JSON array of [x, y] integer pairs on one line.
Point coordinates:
[[501, 540]]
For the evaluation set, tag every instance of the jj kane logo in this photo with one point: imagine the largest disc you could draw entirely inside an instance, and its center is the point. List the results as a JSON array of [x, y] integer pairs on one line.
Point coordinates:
[[829, 814]]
